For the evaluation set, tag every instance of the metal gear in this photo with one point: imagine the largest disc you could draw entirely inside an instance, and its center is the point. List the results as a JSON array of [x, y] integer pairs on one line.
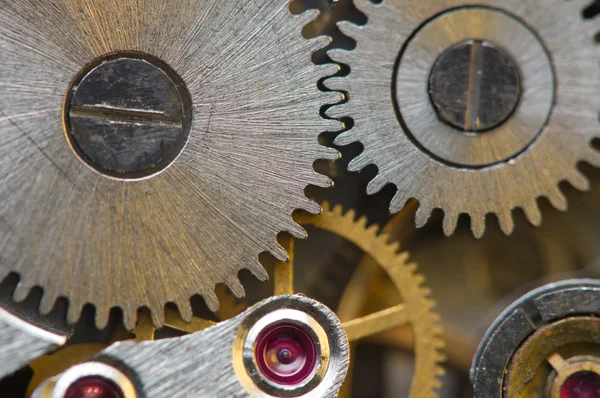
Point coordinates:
[[151, 150], [416, 309], [416, 302], [472, 107]]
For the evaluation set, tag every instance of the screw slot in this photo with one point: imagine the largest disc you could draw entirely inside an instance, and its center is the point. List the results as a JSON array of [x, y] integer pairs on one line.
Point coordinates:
[[127, 115]]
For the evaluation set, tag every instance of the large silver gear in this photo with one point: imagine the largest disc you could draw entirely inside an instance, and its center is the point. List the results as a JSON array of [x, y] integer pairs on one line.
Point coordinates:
[[165, 237], [510, 166]]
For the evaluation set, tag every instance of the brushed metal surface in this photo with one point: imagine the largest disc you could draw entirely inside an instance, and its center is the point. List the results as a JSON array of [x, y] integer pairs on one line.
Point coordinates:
[[203, 364], [243, 171], [517, 183], [21, 342]]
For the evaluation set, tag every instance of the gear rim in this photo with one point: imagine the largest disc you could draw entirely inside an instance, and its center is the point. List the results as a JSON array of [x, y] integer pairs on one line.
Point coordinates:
[[477, 193], [64, 55]]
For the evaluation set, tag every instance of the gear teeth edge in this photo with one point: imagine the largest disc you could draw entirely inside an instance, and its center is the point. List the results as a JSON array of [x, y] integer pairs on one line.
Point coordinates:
[[477, 224], [348, 28], [340, 55], [533, 213], [74, 311], [47, 302], [185, 310], [506, 222], [450, 223], [558, 199], [21, 292], [423, 214], [390, 250], [235, 287], [259, 272], [306, 17], [101, 318]]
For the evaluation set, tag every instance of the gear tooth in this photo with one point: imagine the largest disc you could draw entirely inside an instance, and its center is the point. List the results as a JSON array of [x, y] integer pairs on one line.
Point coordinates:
[[21, 292], [398, 202], [129, 317], [340, 55], [306, 17], [73, 313], [158, 317], [419, 280], [403, 259], [345, 138], [338, 84], [439, 371], [337, 210], [373, 229], [185, 310], [359, 162], [279, 252], [47, 302], [236, 287], [349, 29], [332, 98], [102, 318], [337, 112], [532, 211], [211, 300], [311, 207], [592, 156], [423, 214], [330, 153], [259, 271], [327, 70], [318, 43], [506, 222], [351, 215], [579, 181], [558, 200], [376, 184], [297, 231], [320, 180], [362, 223], [478, 225], [325, 207], [394, 246], [331, 126], [450, 222]]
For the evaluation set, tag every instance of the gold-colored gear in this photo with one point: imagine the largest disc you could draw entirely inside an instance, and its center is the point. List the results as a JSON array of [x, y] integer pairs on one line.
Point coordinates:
[[415, 311]]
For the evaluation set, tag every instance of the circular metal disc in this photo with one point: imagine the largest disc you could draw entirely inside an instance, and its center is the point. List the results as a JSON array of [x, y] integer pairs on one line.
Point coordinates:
[[458, 187], [110, 242]]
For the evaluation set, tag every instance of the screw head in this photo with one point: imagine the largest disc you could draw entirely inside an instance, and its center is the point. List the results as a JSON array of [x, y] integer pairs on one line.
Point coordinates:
[[128, 115], [475, 86]]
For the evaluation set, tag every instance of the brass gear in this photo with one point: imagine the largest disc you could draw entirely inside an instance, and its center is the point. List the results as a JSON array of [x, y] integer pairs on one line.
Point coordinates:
[[417, 304], [416, 309]]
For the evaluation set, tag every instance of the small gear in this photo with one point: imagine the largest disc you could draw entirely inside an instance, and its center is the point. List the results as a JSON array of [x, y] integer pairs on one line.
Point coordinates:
[[472, 107], [152, 149], [416, 307]]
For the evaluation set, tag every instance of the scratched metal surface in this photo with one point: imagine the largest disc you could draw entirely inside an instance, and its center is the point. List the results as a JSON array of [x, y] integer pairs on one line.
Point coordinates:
[[202, 364], [518, 183], [223, 201], [21, 342]]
